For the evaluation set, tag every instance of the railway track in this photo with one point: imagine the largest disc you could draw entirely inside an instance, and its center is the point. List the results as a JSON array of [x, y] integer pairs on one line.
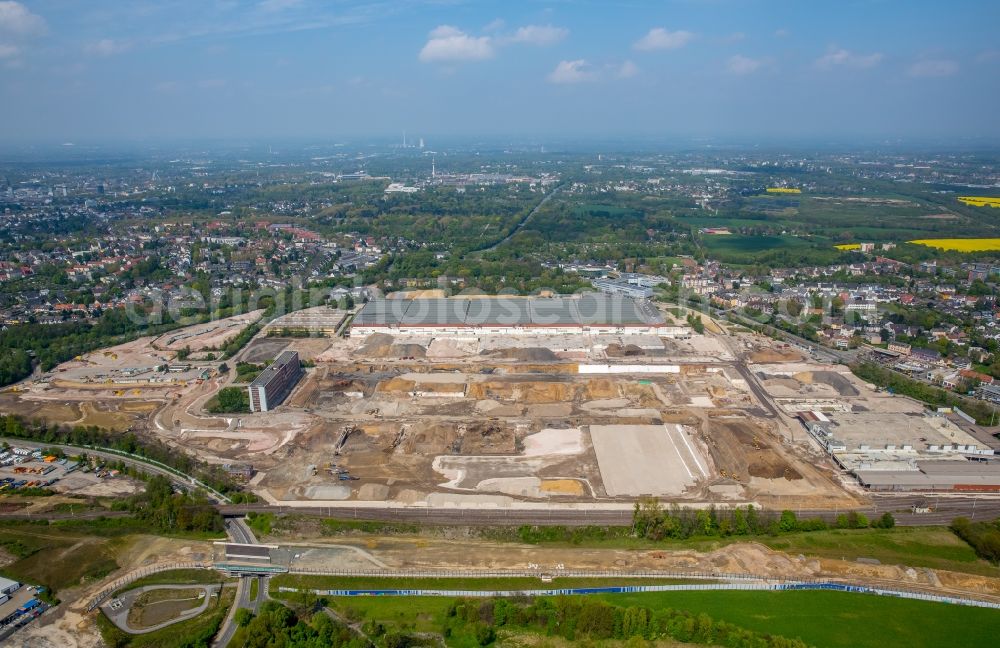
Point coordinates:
[[943, 509]]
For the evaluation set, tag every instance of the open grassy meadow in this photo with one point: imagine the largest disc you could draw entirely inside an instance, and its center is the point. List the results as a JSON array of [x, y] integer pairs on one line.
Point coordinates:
[[835, 619], [55, 557], [822, 619]]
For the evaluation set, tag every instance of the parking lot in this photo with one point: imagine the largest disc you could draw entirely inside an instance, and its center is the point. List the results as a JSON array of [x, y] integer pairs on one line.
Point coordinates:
[[21, 608], [23, 468], [27, 468]]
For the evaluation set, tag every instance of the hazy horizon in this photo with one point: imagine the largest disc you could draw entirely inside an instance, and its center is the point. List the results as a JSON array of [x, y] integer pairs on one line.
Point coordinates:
[[864, 71]]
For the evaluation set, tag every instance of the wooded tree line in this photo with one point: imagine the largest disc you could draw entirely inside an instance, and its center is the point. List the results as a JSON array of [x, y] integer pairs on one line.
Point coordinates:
[[470, 622], [169, 511], [650, 520], [277, 626], [984, 537], [576, 618]]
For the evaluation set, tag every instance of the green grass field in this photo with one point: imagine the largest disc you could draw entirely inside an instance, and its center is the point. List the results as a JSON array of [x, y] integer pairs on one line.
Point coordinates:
[[832, 619], [743, 244], [423, 614], [66, 553], [57, 558], [935, 547], [822, 619]]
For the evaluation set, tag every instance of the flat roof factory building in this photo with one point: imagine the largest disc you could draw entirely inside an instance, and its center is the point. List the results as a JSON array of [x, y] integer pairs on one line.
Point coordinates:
[[588, 313], [272, 385]]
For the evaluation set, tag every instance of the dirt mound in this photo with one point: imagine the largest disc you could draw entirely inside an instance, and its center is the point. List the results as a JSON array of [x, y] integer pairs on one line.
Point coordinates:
[[381, 345], [523, 392], [396, 385], [767, 356], [406, 351], [562, 487], [835, 380], [740, 448], [601, 388], [375, 345], [530, 354], [770, 469], [627, 351]]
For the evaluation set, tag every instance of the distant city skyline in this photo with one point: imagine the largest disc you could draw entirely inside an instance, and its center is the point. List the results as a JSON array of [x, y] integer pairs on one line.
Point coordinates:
[[753, 69]]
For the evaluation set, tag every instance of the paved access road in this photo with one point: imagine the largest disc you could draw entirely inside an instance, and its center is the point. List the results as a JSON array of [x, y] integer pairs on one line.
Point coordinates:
[[239, 532], [117, 609]]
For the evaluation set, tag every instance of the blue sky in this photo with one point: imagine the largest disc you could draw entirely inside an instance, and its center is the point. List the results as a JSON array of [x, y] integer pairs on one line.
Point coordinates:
[[755, 69]]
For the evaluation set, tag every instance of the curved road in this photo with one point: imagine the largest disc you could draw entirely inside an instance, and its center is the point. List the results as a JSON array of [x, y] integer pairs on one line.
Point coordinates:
[[119, 617]]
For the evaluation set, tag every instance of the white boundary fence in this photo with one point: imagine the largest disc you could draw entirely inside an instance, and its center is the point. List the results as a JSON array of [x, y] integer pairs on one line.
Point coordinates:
[[633, 589], [720, 581], [748, 582]]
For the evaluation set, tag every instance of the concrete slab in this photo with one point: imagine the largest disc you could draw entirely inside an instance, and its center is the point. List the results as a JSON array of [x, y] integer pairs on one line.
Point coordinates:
[[645, 459]]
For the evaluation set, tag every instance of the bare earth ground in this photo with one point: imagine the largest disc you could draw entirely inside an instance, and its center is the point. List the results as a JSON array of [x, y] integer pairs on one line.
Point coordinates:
[[422, 553], [210, 335], [458, 426], [70, 626]]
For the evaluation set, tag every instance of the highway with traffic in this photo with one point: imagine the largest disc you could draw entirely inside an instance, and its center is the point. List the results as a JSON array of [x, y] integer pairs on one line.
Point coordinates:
[[240, 533]]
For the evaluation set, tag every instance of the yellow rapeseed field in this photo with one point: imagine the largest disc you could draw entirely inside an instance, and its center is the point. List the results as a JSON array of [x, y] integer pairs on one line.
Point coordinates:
[[978, 201], [783, 190], [962, 245], [848, 246]]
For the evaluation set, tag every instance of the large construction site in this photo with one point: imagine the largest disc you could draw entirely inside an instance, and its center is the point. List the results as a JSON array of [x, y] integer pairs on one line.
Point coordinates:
[[464, 416]]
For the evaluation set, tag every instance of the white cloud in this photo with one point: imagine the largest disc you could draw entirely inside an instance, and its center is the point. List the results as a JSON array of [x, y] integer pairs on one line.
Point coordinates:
[[539, 34], [8, 51], [782, 33], [567, 72], [740, 64], [211, 84], [659, 38], [933, 68], [17, 19], [841, 57], [447, 44], [627, 70], [450, 44], [495, 25], [106, 47]]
